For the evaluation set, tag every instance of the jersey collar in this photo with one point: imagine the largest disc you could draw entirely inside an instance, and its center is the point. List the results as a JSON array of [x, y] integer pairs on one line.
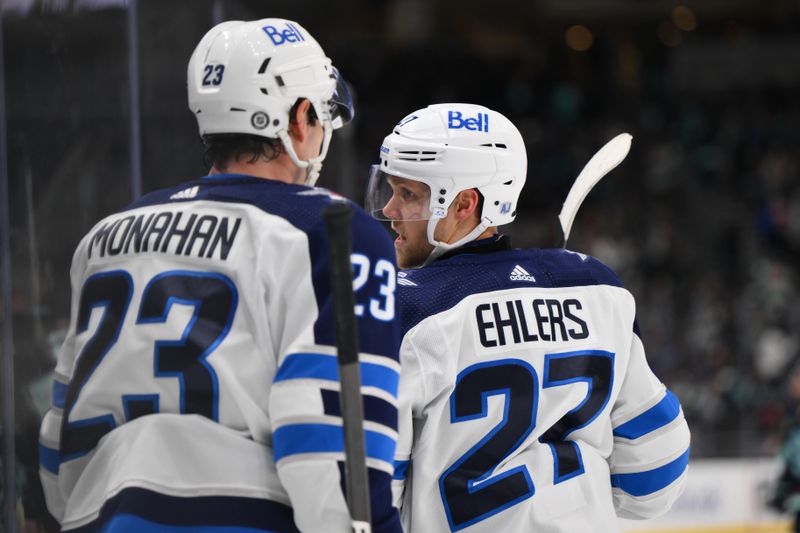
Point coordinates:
[[495, 243]]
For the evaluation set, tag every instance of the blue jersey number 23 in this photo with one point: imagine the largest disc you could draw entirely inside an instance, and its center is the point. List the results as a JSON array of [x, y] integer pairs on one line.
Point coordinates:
[[214, 298]]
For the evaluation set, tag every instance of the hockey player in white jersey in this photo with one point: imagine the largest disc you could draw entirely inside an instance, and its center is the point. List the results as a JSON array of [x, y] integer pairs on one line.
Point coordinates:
[[198, 386], [526, 401]]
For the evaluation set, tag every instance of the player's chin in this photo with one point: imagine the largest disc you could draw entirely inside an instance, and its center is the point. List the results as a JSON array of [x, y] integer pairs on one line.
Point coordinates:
[[408, 257], [403, 257]]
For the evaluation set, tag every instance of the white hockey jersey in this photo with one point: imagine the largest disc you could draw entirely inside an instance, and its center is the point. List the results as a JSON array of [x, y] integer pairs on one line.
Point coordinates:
[[526, 401], [198, 385]]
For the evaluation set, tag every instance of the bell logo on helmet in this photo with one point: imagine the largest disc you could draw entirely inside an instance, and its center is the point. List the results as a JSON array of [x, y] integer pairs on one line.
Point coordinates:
[[290, 35], [505, 207], [479, 123]]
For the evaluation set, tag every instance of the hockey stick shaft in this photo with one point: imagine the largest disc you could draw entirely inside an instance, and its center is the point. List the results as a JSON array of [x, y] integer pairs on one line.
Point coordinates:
[[338, 217]]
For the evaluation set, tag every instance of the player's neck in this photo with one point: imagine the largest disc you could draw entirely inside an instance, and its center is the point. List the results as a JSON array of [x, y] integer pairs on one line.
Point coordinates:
[[281, 168]]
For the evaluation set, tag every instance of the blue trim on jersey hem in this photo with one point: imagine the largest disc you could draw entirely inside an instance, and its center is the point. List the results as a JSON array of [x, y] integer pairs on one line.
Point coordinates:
[[321, 366], [325, 438], [644, 483], [59, 394], [400, 469], [156, 512], [126, 522], [657, 416], [49, 458]]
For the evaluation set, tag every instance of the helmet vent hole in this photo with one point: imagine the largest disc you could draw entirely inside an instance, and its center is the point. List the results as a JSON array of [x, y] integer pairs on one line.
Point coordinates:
[[496, 202], [239, 109], [418, 155], [495, 145], [280, 81], [264, 91], [509, 182], [263, 67]]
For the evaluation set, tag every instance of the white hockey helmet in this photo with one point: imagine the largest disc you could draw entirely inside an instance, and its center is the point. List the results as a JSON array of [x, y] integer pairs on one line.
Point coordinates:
[[452, 148], [244, 77]]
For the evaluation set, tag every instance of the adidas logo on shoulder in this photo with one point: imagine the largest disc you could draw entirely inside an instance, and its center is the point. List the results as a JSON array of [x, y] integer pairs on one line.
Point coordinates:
[[186, 194], [520, 274]]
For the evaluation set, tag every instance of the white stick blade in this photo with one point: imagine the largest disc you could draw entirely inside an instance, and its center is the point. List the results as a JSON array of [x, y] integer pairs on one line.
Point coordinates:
[[601, 163]]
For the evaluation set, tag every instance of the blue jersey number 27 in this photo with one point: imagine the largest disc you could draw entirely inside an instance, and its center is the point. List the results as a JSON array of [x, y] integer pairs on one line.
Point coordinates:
[[470, 491]]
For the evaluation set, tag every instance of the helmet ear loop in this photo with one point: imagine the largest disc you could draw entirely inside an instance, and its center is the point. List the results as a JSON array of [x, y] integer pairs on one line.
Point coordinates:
[[440, 248], [313, 165]]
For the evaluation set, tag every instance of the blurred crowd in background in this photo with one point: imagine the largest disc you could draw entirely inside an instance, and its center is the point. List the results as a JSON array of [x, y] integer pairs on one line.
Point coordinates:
[[702, 221]]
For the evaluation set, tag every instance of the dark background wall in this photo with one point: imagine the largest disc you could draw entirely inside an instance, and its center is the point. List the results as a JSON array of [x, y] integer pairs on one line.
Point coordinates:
[[702, 220]]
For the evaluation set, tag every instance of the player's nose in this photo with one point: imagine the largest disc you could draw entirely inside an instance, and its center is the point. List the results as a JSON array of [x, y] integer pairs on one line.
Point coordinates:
[[392, 209]]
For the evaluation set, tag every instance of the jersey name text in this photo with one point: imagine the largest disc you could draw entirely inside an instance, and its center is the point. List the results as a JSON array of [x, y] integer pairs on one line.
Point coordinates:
[[518, 321], [166, 232]]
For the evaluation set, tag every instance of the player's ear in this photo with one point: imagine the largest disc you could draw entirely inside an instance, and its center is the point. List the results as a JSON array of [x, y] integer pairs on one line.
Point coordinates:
[[298, 120], [466, 204]]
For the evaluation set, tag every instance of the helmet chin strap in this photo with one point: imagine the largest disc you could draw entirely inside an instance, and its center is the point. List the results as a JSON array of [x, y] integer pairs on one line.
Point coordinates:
[[313, 166], [439, 248]]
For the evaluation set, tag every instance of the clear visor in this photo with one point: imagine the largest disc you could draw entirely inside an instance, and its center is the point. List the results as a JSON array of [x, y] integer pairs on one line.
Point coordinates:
[[341, 103], [393, 198]]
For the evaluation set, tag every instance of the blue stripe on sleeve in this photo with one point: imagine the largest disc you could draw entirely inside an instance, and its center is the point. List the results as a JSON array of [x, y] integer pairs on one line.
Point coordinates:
[[320, 366], [376, 409], [644, 483], [657, 416], [49, 458], [59, 394], [320, 438], [400, 469]]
